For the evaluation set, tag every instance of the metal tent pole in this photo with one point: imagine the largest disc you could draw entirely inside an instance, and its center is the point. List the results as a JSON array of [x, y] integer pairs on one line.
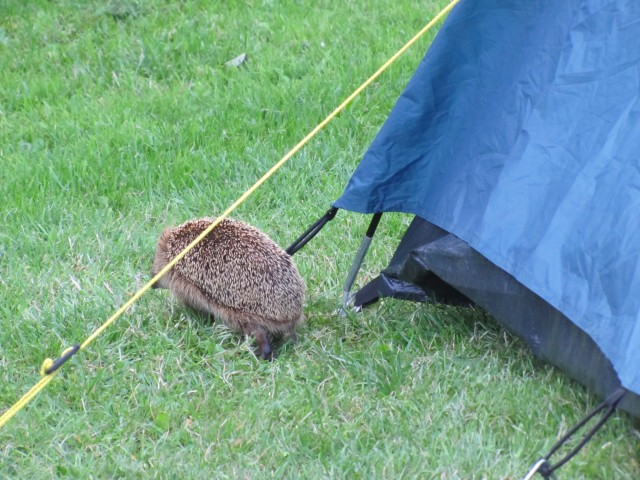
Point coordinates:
[[312, 231], [357, 261]]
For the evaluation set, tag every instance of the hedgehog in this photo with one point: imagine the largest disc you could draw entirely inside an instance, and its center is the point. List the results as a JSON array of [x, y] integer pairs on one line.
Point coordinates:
[[236, 274]]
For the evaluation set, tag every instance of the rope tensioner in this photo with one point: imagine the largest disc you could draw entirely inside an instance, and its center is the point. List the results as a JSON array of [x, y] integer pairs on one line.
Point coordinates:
[[607, 407], [50, 365]]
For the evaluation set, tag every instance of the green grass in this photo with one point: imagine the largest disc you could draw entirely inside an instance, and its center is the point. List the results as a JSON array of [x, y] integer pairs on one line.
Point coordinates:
[[119, 118]]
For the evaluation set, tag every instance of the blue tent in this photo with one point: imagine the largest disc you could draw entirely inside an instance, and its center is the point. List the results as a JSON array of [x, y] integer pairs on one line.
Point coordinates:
[[517, 146]]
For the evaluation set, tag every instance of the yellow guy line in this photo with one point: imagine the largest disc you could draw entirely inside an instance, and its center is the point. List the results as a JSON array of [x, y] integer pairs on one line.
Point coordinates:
[[6, 416]]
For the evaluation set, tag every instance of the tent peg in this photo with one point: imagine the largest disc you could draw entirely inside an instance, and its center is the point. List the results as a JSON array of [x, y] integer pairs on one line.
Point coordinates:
[[357, 263]]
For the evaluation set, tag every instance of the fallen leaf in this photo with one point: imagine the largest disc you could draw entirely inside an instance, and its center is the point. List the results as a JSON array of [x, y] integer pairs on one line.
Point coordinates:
[[236, 62]]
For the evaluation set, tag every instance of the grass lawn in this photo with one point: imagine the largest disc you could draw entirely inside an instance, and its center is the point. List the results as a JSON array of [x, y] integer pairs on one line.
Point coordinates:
[[119, 118]]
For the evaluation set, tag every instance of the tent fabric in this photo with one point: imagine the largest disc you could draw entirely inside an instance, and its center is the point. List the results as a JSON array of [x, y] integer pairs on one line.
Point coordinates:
[[431, 264], [519, 134]]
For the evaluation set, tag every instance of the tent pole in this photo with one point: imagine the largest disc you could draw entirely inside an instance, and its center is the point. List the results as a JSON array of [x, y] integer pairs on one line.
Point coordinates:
[[312, 231], [357, 262]]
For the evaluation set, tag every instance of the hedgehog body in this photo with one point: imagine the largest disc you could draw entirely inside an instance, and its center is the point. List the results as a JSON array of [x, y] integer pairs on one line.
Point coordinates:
[[237, 274]]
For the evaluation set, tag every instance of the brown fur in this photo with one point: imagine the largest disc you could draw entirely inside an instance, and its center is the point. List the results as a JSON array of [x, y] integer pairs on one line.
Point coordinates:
[[237, 274]]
